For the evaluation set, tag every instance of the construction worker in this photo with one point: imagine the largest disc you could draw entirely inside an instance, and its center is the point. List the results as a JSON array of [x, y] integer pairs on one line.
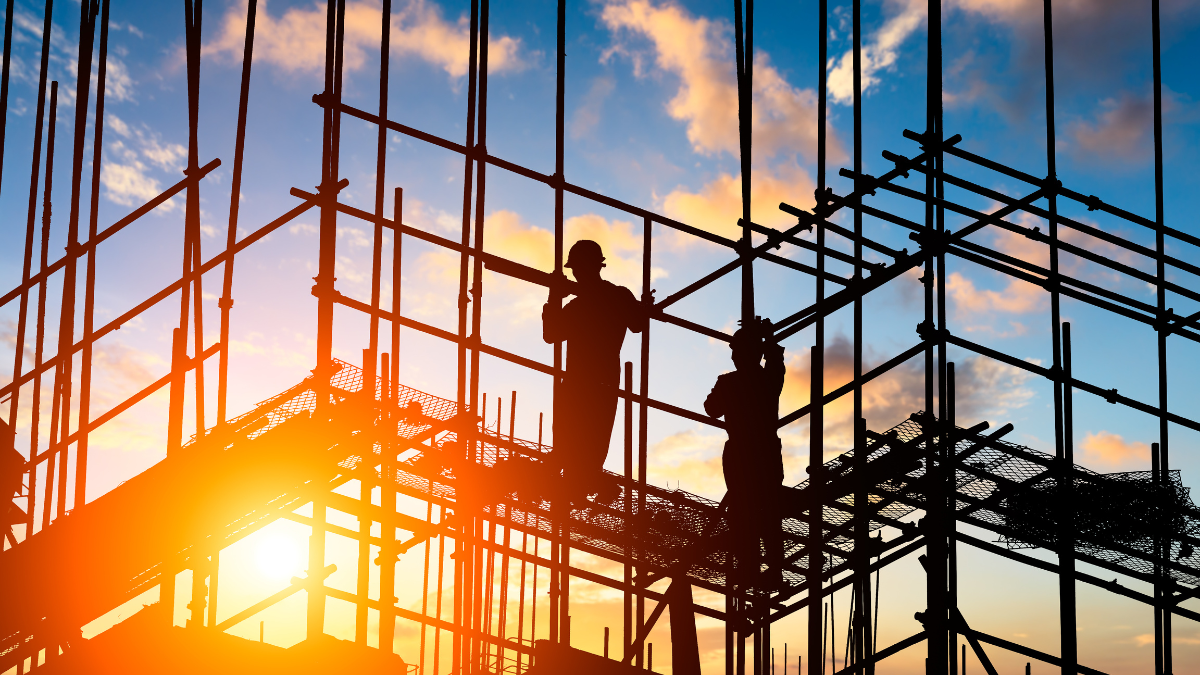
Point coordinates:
[[593, 325], [748, 399]]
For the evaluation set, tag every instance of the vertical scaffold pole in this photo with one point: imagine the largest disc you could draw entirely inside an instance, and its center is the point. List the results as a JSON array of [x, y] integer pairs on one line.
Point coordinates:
[[816, 444], [8, 25], [864, 646], [26, 270], [627, 636], [61, 408], [643, 416], [560, 528], [1068, 647], [225, 304], [462, 550], [89, 294], [743, 58], [477, 579], [334, 38], [40, 331], [937, 642], [1161, 300]]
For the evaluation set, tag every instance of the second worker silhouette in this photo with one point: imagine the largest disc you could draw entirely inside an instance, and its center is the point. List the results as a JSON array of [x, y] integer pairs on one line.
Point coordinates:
[[593, 325], [748, 399]]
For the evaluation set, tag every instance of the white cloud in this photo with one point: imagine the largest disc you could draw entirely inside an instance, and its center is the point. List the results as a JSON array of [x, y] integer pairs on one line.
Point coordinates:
[[878, 54], [126, 171], [128, 184], [295, 41]]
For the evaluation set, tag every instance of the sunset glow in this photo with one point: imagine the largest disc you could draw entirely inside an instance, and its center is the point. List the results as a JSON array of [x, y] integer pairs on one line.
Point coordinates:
[[279, 557], [398, 370]]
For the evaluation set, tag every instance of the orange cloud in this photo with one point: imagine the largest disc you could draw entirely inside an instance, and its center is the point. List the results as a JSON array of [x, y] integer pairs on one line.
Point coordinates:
[[507, 234], [295, 42], [700, 53], [1111, 450], [693, 460], [718, 205]]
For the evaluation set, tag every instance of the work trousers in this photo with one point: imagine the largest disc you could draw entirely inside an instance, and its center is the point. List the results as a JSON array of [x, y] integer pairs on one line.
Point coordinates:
[[583, 421], [754, 480]]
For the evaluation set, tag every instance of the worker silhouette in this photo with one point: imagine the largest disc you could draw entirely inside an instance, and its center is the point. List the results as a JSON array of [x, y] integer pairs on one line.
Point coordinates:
[[748, 399], [593, 325]]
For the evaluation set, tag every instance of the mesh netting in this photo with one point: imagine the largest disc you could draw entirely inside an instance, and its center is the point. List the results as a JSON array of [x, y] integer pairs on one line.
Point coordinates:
[[1120, 519]]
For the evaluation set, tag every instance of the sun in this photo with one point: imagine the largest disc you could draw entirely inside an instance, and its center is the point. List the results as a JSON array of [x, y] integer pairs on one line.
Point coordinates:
[[279, 557]]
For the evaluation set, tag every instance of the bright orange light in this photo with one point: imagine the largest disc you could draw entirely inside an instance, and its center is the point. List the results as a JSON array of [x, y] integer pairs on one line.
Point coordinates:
[[279, 557]]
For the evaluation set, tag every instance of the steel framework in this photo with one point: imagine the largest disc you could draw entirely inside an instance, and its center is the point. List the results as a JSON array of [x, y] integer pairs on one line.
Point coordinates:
[[347, 423]]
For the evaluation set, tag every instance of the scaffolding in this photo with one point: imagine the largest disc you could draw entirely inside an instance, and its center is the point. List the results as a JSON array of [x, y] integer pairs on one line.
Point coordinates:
[[483, 488]]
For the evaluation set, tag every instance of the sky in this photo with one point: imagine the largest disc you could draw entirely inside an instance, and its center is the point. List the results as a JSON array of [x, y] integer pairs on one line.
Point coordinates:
[[651, 119]]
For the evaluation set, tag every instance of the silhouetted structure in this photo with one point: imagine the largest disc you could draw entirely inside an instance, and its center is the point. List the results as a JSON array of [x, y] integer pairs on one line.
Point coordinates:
[[748, 399], [147, 643], [593, 325], [74, 560]]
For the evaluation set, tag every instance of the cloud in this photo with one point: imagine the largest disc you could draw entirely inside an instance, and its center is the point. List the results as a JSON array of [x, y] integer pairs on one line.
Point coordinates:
[[125, 367], [717, 206], [295, 41], [128, 184], [130, 160], [1094, 45], [693, 459], [1112, 451], [118, 85], [1121, 130], [700, 53], [878, 54], [1018, 297], [984, 389], [587, 115]]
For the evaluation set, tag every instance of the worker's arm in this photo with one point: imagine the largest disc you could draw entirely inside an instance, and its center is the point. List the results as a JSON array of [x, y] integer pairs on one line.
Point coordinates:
[[637, 318], [553, 322], [715, 405]]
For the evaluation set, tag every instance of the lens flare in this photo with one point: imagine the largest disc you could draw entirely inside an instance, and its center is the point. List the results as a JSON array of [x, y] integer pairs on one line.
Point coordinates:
[[279, 557]]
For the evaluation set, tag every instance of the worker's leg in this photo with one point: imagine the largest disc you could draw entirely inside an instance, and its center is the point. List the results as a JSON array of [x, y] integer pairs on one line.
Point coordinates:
[[744, 522], [570, 426], [773, 535]]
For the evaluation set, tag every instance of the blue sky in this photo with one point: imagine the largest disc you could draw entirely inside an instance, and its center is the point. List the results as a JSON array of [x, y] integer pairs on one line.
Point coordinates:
[[651, 120]]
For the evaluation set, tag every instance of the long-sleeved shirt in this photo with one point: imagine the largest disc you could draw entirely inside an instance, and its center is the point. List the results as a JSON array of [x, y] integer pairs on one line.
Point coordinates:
[[593, 324], [749, 401]]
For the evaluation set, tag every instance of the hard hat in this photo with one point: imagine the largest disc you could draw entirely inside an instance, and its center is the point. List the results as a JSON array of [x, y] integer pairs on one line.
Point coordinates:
[[584, 251], [752, 335]]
